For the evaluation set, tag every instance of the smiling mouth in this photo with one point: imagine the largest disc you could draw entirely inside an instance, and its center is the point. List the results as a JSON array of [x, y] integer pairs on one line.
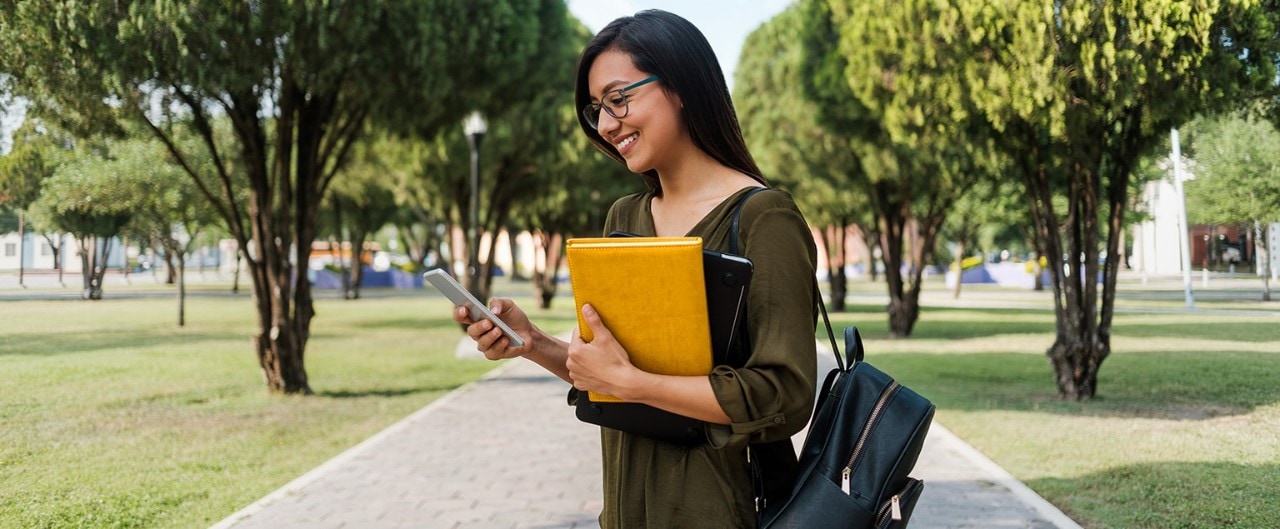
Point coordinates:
[[626, 142]]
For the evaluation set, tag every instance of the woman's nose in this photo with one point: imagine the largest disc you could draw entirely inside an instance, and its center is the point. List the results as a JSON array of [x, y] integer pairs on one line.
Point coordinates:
[[606, 123]]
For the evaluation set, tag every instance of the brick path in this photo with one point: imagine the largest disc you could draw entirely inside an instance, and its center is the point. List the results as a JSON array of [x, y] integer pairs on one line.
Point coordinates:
[[505, 452]]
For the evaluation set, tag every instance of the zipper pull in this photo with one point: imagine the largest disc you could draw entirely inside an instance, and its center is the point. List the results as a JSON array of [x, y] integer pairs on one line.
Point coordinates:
[[844, 481], [895, 510]]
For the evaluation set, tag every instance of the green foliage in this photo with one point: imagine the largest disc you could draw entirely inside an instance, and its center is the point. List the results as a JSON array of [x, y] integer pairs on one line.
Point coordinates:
[[296, 81], [783, 130], [892, 80], [576, 181], [88, 197], [1237, 171], [33, 159]]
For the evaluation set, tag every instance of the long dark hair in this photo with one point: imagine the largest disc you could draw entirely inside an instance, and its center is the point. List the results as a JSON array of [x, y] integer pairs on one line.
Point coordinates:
[[665, 44]]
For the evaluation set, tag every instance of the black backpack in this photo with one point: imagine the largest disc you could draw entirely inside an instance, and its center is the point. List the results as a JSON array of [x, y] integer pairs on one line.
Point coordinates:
[[863, 441]]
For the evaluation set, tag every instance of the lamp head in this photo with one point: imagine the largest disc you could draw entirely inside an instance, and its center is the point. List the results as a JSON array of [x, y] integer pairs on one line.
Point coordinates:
[[474, 124]]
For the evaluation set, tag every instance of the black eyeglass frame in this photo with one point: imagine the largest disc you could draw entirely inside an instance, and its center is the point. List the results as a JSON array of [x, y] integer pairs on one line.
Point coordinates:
[[591, 112]]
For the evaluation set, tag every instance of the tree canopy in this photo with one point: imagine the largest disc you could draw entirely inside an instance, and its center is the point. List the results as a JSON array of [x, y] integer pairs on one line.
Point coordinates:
[[1062, 97], [297, 81]]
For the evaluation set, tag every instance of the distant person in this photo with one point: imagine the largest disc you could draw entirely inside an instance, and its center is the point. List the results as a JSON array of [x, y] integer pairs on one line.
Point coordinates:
[[653, 97]]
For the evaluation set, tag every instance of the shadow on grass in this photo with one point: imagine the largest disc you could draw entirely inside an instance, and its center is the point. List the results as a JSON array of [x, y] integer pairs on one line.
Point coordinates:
[[948, 323], [1170, 494], [49, 344], [390, 392], [1162, 385], [411, 323]]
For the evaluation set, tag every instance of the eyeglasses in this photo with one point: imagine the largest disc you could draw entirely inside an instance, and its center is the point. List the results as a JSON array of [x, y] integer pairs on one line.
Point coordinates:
[[614, 102]]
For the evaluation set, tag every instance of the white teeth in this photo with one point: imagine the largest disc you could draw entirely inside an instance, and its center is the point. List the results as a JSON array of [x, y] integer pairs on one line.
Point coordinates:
[[624, 143]]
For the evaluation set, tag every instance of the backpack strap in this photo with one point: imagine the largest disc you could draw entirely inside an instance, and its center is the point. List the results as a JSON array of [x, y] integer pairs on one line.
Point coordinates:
[[737, 217], [734, 248]]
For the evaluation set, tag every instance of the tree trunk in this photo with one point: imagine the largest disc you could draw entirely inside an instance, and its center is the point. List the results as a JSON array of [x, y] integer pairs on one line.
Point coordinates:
[[235, 276], [1264, 257], [280, 300], [544, 277], [871, 239], [834, 239], [93, 262], [22, 249], [1075, 366], [171, 268], [344, 272], [182, 291], [57, 259], [1083, 321], [55, 243], [902, 312], [357, 263]]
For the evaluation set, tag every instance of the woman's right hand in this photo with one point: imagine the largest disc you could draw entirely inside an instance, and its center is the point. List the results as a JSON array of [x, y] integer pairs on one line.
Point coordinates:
[[489, 338]]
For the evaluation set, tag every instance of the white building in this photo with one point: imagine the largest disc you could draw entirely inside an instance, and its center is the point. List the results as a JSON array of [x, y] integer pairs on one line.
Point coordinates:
[[33, 252], [1157, 242]]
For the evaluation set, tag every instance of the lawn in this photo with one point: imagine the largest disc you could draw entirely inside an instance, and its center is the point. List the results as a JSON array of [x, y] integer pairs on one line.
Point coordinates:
[[1184, 432], [114, 417]]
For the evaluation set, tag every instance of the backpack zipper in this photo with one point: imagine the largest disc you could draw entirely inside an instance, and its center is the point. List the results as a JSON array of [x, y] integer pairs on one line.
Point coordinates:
[[893, 509], [866, 432]]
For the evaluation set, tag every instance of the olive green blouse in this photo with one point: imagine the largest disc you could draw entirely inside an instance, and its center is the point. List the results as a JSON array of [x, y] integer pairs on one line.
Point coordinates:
[[653, 484]]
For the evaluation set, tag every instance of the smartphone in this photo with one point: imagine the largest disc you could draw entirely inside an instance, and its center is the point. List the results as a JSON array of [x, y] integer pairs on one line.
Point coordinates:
[[449, 286]]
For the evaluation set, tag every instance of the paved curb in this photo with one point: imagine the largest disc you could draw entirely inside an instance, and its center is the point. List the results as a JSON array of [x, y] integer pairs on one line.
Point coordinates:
[[946, 439]]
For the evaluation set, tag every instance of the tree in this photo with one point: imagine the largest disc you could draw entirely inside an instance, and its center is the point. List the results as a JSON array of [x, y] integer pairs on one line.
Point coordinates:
[[794, 150], [90, 199], [23, 171], [360, 205], [521, 143], [574, 181], [297, 80], [1237, 178], [1079, 92], [167, 208], [892, 76], [578, 184]]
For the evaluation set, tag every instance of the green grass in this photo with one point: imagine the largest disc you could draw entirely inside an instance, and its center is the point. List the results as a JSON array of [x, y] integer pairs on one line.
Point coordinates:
[[115, 417], [1184, 432]]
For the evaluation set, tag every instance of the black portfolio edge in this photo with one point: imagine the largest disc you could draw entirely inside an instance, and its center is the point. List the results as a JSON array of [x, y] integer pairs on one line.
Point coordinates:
[[726, 277]]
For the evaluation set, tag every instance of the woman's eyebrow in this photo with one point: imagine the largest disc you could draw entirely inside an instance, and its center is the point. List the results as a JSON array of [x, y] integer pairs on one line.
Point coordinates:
[[610, 86]]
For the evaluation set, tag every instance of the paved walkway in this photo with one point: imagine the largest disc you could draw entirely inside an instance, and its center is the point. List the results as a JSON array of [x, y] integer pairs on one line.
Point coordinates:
[[505, 452]]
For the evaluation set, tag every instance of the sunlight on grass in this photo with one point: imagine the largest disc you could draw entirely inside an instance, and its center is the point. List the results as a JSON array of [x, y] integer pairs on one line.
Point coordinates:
[[115, 417], [1191, 397]]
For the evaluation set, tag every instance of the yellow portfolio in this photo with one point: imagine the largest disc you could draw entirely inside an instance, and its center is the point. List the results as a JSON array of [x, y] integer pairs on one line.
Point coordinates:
[[650, 293]]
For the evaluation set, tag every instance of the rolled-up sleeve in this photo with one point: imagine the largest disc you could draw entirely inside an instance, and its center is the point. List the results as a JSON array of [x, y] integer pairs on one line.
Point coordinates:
[[771, 397]]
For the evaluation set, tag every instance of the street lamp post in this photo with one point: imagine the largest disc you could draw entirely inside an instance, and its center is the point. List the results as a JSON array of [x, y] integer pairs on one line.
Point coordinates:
[[1184, 236], [474, 127]]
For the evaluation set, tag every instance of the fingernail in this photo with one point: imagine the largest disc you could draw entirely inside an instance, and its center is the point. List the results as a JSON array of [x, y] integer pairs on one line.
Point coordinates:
[[588, 310]]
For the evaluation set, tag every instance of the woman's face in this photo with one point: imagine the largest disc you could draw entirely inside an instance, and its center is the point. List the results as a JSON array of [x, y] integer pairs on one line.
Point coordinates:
[[651, 132]]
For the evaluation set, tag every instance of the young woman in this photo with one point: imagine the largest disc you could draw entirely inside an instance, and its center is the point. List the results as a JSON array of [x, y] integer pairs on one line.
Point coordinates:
[[654, 98]]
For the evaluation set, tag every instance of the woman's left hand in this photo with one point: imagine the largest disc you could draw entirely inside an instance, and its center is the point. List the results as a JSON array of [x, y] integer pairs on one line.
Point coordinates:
[[602, 365]]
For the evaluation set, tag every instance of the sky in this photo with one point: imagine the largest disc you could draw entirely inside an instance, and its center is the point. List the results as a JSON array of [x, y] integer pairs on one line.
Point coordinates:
[[725, 23]]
